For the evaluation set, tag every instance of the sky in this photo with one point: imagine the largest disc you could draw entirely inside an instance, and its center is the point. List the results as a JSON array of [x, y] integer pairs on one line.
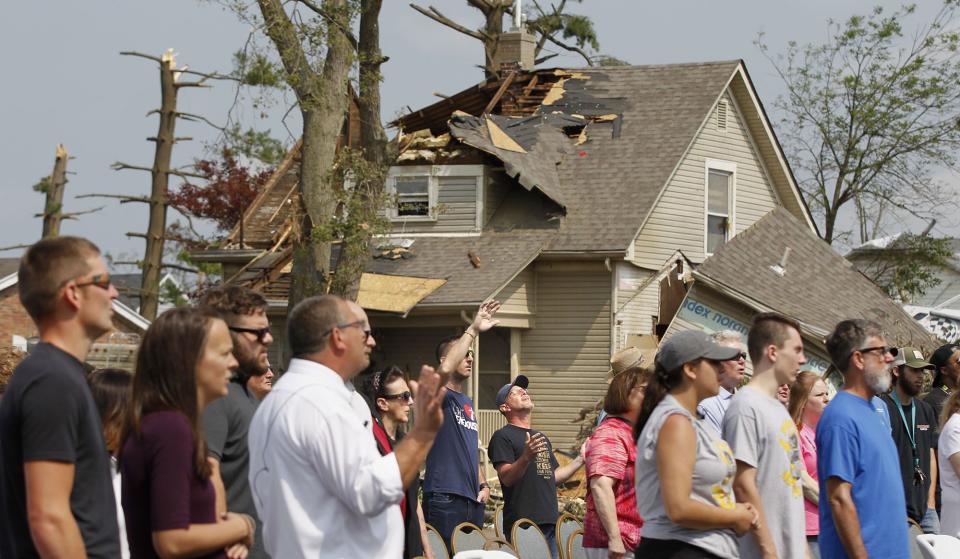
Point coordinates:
[[67, 83]]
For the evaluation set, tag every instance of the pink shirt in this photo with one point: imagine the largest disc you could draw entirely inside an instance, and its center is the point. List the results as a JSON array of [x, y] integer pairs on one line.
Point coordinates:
[[612, 452], [808, 448]]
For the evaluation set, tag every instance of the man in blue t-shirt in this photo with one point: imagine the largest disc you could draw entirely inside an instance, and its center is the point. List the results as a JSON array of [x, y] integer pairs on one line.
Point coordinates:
[[454, 489], [857, 464]]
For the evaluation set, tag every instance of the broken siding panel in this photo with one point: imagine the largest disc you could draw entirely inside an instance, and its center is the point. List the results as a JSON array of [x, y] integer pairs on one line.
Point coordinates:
[[677, 222], [632, 313], [457, 213], [566, 357], [518, 296]]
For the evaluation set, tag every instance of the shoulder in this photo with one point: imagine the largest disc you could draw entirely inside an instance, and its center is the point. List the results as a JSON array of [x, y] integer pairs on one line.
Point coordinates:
[[925, 408], [166, 425]]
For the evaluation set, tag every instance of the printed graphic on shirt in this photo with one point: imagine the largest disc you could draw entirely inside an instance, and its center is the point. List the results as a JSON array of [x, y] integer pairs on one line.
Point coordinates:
[[790, 442], [722, 494], [465, 417], [544, 467]]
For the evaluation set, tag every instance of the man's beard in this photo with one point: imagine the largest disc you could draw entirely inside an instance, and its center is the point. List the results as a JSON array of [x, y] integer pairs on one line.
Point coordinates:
[[248, 363], [879, 382]]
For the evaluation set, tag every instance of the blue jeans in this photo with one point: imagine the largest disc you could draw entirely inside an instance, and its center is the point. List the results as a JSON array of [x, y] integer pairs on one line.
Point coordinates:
[[930, 523], [444, 511], [550, 533]]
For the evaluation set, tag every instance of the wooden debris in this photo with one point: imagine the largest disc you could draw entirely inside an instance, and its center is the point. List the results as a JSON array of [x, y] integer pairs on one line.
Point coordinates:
[[474, 259], [501, 139]]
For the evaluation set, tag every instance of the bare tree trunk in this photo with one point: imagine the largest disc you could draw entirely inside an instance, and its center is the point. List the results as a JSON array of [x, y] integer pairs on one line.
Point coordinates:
[[53, 207], [354, 251], [160, 174], [322, 96]]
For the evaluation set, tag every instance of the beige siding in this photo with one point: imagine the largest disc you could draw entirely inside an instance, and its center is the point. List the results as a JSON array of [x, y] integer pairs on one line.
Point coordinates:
[[456, 208], [633, 310], [409, 347], [517, 298], [677, 222], [278, 352], [498, 184], [567, 355]]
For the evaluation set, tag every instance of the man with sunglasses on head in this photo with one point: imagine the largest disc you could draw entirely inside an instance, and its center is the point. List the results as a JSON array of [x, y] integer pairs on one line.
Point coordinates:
[[56, 492], [861, 494], [454, 488], [227, 420], [731, 375]]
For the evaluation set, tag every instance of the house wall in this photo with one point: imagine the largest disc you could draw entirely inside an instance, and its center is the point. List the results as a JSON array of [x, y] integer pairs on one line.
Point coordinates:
[[518, 297], [457, 207], [677, 221], [496, 189], [634, 306], [566, 357], [948, 287]]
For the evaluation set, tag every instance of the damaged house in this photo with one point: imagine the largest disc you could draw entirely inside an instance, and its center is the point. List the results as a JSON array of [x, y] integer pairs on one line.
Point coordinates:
[[570, 196]]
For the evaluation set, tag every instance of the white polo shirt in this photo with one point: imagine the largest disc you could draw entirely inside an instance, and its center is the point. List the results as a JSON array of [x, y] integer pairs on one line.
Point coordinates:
[[319, 483]]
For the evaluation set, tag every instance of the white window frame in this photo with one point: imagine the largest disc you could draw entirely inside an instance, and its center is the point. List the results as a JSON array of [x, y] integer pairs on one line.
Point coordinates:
[[726, 167], [432, 191]]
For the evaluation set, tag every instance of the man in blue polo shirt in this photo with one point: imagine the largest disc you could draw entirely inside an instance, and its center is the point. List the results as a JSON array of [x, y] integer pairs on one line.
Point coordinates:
[[862, 506], [454, 489]]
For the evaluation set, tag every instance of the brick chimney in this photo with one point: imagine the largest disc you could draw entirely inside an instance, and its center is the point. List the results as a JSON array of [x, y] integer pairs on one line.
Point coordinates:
[[516, 46]]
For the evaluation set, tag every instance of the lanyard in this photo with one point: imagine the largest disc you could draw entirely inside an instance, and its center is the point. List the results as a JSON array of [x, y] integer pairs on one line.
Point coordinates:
[[912, 428]]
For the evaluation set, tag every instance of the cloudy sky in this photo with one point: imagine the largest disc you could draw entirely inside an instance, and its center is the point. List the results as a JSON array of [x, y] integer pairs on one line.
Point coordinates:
[[65, 81]]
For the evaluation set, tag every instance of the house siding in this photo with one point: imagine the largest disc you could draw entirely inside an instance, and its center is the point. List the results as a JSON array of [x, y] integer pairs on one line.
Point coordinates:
[[498, 185], [457, 208], [409, 347], [677, 222], [566, 357], [634, 307], [517, 298]]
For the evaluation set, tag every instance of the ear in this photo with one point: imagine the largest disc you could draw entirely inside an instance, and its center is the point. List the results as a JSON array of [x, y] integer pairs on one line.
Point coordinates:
[[71, 295], [336, 341], [771, 352], [689, 371], [382, 404]]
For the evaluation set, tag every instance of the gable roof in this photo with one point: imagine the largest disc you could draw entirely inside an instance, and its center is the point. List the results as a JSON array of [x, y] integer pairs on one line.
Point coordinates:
[[9, 266], [819, 287]]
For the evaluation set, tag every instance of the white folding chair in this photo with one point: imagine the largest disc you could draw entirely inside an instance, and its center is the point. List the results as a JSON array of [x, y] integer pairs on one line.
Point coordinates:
[[481, 554], [934, 546]]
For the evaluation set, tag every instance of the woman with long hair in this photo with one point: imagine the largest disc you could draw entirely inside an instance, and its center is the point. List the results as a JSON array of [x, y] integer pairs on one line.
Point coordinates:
[[390, 397], [808, 398], [685, 470], [111, 393], [184, 362], [611, 526], [948, 459]]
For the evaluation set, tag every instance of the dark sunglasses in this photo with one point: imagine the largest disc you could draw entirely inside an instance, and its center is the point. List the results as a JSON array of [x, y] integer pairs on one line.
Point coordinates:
[[356, 324], [742, 355], [883, 349], [406, 396], [100, 280], [260, 333]]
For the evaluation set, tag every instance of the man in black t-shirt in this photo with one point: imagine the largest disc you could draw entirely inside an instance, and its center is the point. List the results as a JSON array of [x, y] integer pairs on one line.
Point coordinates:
[[913, 426], [227, 420], [526, 466], [56, 494]]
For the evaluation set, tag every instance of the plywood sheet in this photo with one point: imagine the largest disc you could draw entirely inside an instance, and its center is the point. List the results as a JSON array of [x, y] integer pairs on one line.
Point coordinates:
[[397, 294]]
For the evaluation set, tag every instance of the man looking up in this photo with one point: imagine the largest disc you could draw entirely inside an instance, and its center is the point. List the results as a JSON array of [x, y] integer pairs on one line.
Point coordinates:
[[913, 433], [56, 494], [857, 462], [319, 483], [227, 420], [454, 489], [526, 466], [731, 374], [766, 444]]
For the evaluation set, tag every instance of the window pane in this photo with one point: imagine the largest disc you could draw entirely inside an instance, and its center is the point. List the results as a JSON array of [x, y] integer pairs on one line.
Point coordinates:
[[412, 185], [718, 192], [413, 206], [716, 232]]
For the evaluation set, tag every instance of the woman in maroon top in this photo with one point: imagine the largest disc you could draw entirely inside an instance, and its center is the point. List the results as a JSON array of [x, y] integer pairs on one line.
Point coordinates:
[[184, 363], [611, 526]]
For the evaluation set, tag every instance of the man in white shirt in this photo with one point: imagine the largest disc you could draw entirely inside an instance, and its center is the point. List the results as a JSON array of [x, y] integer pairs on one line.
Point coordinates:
[[731, 375], [320, 485]]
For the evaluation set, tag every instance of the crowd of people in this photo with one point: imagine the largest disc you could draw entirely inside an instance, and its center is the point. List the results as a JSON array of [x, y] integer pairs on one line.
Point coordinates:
[[204, 453]]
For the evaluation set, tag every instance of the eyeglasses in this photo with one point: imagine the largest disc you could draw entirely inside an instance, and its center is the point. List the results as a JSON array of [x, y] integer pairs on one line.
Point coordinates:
[[883, 349], [355, 324], [100, 280], [405, 396], [742, 356], [260, 333]]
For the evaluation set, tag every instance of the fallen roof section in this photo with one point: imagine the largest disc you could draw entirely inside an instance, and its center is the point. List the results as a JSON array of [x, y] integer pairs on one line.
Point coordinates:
[[394, 294]]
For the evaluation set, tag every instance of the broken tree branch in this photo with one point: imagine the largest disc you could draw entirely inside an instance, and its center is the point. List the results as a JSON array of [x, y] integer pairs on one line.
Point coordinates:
[[195, 118], [122, 197], [156, 59], [571, 48], [179, 267], [120, 166], [14, 247], [436, 16], [332, 21], [73, 215]]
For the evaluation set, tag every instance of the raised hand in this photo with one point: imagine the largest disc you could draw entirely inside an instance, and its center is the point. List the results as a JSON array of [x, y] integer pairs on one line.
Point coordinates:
[[534, 445], [483, 320]]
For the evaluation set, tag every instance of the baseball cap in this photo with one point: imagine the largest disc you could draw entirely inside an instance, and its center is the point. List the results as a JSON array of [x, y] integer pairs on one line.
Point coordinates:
[[690, 345], [521, 381], [942, 355], [913, 358]]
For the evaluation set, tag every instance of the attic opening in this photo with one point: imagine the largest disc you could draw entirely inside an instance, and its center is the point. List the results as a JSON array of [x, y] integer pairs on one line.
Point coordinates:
[[722, 116]]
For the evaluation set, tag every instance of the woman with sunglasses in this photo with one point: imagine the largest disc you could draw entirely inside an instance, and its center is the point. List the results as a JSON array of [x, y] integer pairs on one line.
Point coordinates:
[[390, 399], [685, 471], [808, 398], [184, 362]]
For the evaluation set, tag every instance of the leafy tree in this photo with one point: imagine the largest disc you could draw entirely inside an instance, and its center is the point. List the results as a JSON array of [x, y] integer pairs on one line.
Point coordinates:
[[906, 267], [229, 190], [870, 116]]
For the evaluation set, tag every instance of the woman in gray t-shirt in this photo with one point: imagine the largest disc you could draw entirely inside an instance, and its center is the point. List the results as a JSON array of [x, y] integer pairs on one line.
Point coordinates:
[[684, 471]]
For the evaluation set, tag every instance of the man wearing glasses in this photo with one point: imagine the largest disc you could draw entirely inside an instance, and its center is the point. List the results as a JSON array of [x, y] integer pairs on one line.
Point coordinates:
[[454, 489], [731, 375], [56, 494], [227, 420], [862, 506]]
